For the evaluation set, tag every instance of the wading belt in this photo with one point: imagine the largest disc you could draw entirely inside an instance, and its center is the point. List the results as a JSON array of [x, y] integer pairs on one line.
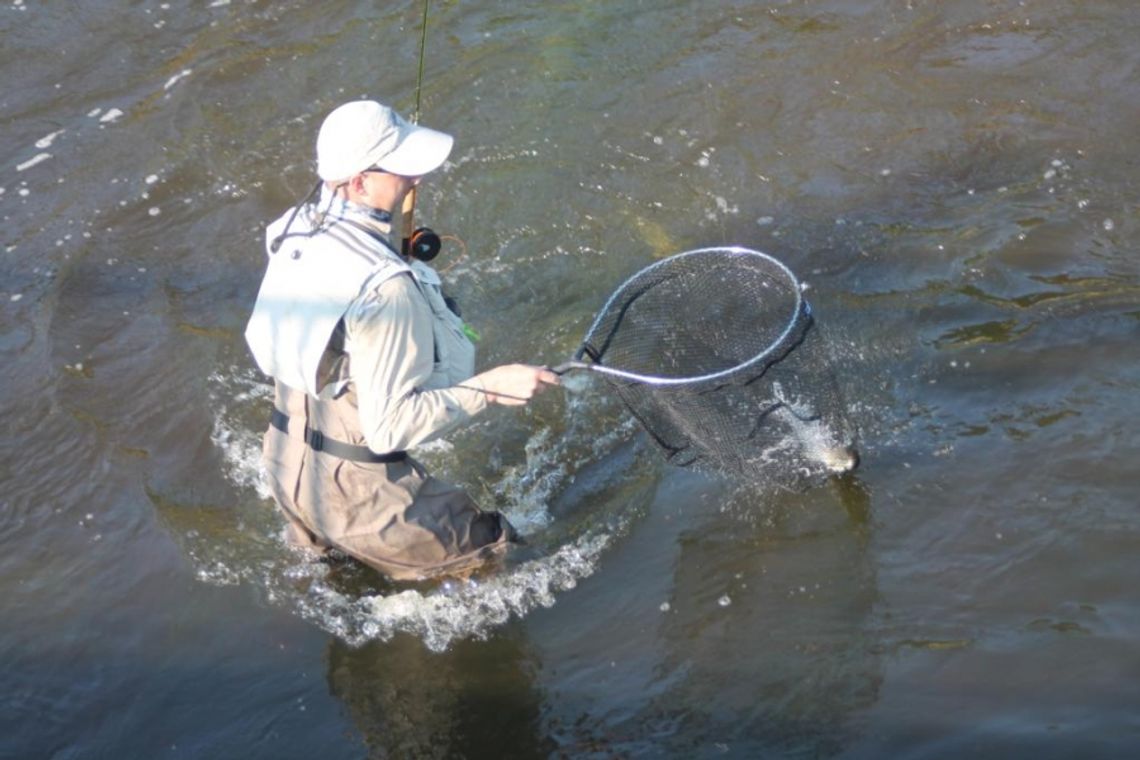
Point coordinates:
[[318, 442]]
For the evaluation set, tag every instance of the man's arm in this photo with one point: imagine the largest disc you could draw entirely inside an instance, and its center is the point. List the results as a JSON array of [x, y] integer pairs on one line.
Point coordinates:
[[391, 355]]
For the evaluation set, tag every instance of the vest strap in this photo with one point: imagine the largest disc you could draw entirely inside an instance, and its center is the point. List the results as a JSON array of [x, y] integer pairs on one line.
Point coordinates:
[[318, 442]]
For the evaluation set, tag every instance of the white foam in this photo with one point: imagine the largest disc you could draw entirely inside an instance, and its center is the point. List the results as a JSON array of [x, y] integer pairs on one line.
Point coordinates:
[[47, 140], [176, 78], [241, 448], [36, 159], [529, 487], [474, 609]]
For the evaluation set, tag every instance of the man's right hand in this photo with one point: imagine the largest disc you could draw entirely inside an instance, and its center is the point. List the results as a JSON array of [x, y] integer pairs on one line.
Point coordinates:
[[515, 384]]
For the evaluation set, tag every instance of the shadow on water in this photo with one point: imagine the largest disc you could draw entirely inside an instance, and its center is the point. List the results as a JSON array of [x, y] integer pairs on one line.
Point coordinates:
[[756, 632], [785, 665], [476, 700]]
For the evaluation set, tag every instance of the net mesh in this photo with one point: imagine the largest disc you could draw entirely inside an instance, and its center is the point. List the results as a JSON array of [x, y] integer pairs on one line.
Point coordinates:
[[714, 351]]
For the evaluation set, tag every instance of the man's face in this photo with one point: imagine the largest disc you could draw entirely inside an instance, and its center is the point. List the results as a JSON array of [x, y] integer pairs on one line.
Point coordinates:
[[384, 190]]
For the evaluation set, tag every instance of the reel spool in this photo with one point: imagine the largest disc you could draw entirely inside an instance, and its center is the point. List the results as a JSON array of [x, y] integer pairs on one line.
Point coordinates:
[[424, 244]]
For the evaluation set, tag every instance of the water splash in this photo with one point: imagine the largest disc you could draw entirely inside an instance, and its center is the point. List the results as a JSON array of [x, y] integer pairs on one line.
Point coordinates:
[[343, 600], [455, 609]]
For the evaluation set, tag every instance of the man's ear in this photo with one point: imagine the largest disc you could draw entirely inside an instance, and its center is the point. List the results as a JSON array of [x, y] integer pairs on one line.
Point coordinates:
[[356, 183]]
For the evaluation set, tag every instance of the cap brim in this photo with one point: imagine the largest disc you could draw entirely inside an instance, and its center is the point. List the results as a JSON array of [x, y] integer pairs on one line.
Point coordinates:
[[421, 151]]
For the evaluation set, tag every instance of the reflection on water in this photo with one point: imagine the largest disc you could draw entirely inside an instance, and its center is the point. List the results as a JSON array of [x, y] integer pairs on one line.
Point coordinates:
[[955, 182], [760, 631], [477, 699], [807, 675]]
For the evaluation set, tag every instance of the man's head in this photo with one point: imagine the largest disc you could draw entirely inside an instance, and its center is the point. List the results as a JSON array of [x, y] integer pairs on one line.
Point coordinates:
[[364, 135], [374, 157]]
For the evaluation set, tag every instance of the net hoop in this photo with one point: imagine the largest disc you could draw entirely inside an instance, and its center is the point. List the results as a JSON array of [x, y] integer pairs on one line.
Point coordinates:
[[800, 307]]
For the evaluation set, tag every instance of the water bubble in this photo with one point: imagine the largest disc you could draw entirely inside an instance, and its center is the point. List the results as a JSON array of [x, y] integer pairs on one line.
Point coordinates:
[[1109, 225], [664, 607], [724, 601]]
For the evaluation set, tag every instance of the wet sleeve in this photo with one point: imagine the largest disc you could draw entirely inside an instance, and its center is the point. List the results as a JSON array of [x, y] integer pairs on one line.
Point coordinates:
[[391, 355]]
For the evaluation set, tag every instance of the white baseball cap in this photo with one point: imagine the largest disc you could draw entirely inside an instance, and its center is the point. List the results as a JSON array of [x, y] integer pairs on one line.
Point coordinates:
[[363, 134]]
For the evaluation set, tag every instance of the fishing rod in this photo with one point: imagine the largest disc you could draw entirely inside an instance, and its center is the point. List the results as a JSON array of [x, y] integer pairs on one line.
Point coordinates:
[[422, 243]]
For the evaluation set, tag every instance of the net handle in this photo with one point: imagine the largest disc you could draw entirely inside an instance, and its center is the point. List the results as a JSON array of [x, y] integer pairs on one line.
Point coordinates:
[[800, 306], [569, 366], [601, 369]]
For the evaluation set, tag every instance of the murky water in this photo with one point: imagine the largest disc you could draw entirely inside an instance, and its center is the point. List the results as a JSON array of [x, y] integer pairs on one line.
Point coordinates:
[[956, 181]]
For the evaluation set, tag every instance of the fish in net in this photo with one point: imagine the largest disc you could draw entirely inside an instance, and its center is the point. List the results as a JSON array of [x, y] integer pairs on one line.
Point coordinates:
[[716, 354]]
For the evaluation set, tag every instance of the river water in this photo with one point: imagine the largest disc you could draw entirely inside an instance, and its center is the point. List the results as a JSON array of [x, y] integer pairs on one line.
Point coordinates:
[[955, 181]]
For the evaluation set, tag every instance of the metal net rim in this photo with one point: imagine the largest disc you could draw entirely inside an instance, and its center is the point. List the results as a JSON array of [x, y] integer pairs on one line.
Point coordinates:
[[793, 320]]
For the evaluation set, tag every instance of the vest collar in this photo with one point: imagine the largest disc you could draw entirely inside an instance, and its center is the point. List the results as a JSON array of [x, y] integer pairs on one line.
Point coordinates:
[[334, 207]]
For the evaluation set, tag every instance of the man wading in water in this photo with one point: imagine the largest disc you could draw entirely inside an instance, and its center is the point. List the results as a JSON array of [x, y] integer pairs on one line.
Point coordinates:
[[368, 361]]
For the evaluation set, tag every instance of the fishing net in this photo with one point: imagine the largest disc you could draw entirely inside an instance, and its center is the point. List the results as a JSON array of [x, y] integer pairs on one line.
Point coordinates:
[[714, 351]]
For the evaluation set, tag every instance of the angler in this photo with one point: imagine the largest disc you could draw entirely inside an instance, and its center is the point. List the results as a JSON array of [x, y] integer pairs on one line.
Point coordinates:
[[368, 361]]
